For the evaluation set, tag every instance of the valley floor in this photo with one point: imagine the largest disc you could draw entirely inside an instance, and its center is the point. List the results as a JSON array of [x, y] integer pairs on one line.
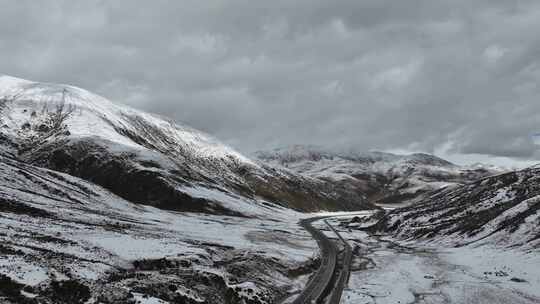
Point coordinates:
[[385, 271]]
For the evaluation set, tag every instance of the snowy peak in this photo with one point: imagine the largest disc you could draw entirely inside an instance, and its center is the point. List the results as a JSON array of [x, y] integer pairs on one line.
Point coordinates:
[[9, 85], [298, 153], [429, 159], [145, 158], [30, 108]]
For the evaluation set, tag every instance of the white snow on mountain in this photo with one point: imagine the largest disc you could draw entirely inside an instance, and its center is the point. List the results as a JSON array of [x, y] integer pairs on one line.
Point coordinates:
[[55, 227], [71, 130], [384, 177], [162, 213], [502, 210], [95, 116]]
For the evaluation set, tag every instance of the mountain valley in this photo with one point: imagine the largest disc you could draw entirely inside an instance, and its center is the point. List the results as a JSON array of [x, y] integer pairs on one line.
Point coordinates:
[[102, 203]]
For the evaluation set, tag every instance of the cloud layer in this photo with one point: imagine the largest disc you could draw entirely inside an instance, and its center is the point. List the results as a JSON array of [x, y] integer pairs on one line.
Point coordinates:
[[463, 76]]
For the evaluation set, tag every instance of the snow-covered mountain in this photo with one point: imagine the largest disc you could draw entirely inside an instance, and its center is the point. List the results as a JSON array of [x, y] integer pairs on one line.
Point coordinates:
[[64, 240], [90, 194], [502, 210], [382, 177], [145, 158]]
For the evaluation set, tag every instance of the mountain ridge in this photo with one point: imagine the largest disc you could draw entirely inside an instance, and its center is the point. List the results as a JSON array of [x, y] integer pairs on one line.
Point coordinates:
[[384, 177], [137, 155], [502, 209]]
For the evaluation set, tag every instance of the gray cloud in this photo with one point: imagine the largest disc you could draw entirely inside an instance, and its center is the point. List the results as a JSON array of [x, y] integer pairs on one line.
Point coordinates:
[[372, 74]]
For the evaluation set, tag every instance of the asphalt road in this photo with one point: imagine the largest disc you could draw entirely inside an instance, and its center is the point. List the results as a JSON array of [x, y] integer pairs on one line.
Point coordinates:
[[328, 282], [342, 278]]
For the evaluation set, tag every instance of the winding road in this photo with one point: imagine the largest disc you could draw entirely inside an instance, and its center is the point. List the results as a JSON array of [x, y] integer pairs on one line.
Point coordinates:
[[326, 286]]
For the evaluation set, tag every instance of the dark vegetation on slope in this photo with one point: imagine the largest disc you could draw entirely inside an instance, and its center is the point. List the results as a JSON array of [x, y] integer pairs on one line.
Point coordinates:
[[146, 182], [121, 175], [497, 205], [73, 209]]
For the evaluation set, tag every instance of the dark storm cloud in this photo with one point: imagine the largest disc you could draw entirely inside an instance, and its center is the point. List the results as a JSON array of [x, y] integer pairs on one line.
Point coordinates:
[[373, 74]]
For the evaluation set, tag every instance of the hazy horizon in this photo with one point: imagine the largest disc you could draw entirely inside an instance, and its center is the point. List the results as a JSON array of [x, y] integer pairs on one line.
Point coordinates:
[[451, 79]]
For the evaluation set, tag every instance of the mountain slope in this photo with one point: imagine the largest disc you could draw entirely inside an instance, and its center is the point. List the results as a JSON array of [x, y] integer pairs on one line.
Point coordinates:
[[144, 158], [502, 209], [80, 180], [382, 177], [64, 240]]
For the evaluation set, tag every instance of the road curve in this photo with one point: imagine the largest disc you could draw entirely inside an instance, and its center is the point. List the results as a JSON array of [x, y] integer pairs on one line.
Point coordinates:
[[344, 272], [329, 280], [318, 284]]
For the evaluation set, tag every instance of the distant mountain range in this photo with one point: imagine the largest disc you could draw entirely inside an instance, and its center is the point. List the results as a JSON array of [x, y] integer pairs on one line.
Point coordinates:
[[383, 178]]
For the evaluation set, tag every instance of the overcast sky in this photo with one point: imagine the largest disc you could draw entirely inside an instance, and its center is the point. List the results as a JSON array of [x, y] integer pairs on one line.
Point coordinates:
[[458, 78]]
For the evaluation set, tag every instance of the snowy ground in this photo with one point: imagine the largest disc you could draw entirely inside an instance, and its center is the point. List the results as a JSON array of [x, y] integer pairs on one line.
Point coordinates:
[[96, 252], [388, 272], [57, 228], [90, 254]]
